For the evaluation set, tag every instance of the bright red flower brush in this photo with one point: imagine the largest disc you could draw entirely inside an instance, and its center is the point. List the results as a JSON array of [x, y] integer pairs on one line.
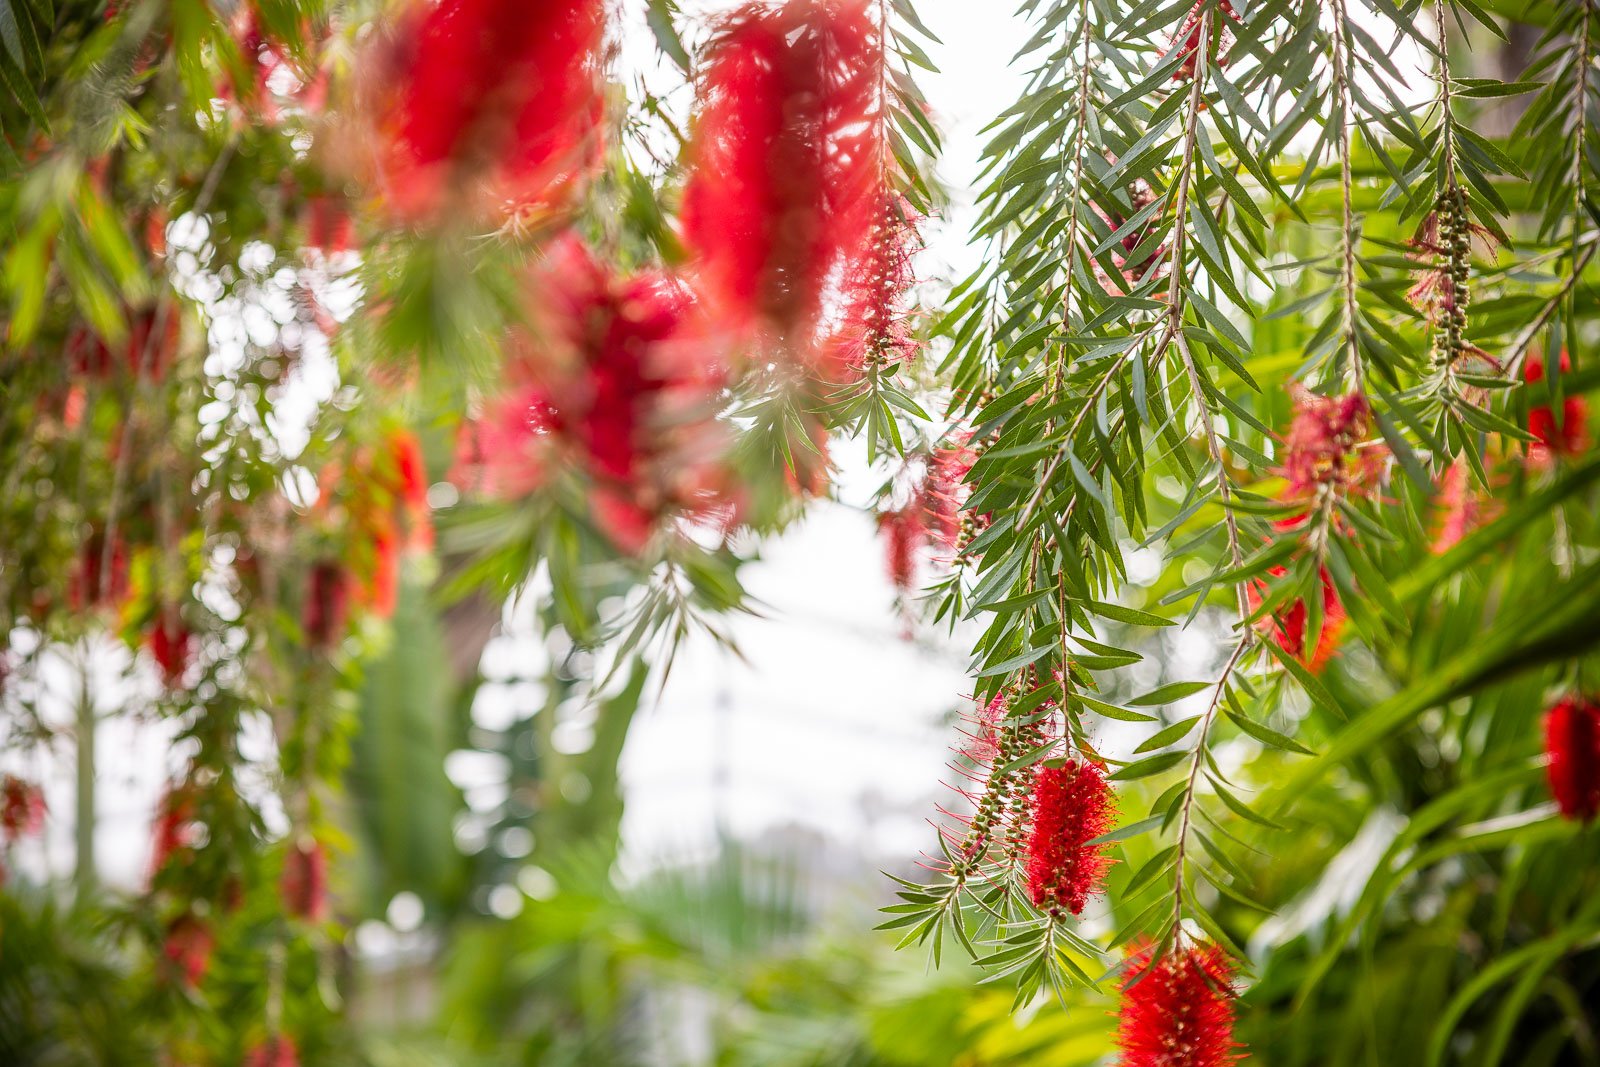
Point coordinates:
[[612, 379], [278, 1051], [22, 808], [305, 880], [1288, 625], [489, 99], [170, 642], [1321, 442], [786, 200], [1178, 1011], [188, 946], [1072, 805], [327, 605], [1572, 742], [1565, 436]]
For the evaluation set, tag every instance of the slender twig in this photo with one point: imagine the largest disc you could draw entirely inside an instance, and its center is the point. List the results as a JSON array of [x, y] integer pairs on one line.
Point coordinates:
[[1194, 771], [1341, 82]]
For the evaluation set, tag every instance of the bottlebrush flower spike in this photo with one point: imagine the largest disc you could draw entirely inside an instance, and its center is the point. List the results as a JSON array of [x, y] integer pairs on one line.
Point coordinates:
[[1072, 805], [305, 880], [1567, 435], [1464, 506], [278, 1051], [787, 193], [188, 946], [1288, 625], [169, 642], [1178, 1011], [876, 332], [614, 380], [1321, 441], [488, 99], [22, 808], [1572, 742], [327, 605], [932, 514]]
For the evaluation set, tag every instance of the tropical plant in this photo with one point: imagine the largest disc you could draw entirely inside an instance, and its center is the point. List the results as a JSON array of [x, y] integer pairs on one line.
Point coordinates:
[[333, 327]]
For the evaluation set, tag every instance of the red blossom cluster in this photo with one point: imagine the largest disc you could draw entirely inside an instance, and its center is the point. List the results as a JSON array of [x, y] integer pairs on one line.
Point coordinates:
[[187, 946], [304, 884], [1463, 506], [1572, 743], [876, 329], [788, 208], [931, 517], [22, 809], [612, 378], [486, 104], [1287, 626], [1178, 1011], [379, 502], [1034, 820], [146, 352], [1563, 436], [277, 1051], [170, 643], [1321, 448], [1445, 236], [1072, 804]]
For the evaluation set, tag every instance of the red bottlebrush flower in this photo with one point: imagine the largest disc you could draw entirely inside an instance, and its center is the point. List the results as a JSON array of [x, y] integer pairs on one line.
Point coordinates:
[[1187, 40], [495, 98], [91, 586], [932, 515], [1463, 507], [614, 379], [188, 947], [903, 535], [329, 228], [410, 482], [22, 808], [875, 333], [1178, 1010], [1567, 435], [276, 1051], [327, 605], [786, 192], [1072, 805], [169, 641], [1288, 625], [1572, 741], [1321, 439], [305, 880], [174, 830]]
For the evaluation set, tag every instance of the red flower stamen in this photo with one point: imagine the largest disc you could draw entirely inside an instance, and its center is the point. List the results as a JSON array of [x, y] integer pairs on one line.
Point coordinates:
[[1178, 1011], [22, 809], [1566, 435], [1072, 805], [1572, 742]]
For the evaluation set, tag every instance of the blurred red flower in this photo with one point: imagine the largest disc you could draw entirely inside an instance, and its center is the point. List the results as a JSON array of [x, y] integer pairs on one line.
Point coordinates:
[[1572, 743]]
